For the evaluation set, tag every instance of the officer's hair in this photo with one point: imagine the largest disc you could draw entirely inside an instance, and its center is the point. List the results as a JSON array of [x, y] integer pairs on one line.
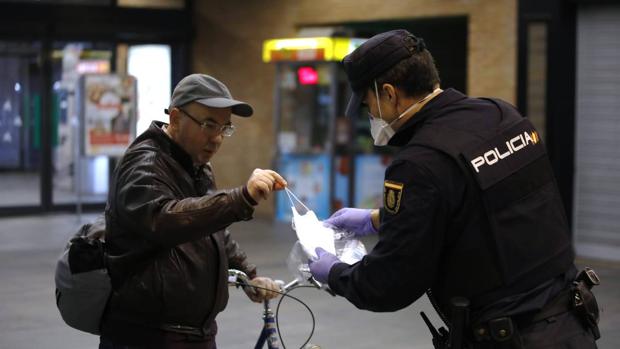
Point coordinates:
[[416, 75]]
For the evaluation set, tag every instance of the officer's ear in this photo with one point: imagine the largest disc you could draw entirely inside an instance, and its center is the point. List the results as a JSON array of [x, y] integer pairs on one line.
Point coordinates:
[[390, 92]]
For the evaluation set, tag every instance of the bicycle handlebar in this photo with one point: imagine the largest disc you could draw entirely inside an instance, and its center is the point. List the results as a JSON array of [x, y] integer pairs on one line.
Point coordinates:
[[239, 278]]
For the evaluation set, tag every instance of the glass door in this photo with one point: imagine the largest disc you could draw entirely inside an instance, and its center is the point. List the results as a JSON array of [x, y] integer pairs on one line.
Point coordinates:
[[20, 124], [76, 179]]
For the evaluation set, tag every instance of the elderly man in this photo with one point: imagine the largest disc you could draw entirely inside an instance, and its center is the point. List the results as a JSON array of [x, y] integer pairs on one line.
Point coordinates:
[[164, 208]]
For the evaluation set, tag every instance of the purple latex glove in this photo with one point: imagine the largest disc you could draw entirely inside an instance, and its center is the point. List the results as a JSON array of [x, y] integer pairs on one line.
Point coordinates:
[[321, 267], [354, 220]]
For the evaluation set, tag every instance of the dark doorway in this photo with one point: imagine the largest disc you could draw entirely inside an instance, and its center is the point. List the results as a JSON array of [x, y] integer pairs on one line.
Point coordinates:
[[445, 37]]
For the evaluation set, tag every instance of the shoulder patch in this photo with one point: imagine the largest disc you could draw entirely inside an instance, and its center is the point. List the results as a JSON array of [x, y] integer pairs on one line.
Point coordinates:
[[392, 196]]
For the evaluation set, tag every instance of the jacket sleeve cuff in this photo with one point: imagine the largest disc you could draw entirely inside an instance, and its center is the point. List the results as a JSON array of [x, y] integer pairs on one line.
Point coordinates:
[[334, 274], [248, 197], [250, 271], [244, 209]]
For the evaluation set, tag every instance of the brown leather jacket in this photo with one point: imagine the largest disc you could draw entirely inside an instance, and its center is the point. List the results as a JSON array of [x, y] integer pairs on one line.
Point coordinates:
[[170, 214]]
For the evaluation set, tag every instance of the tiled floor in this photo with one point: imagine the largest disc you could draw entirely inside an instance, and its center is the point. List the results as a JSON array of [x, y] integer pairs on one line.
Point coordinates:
[[29, 319]]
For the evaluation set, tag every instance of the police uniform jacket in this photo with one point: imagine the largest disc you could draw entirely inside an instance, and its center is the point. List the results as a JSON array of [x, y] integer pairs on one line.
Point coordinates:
[[446, 229], [160, 203]]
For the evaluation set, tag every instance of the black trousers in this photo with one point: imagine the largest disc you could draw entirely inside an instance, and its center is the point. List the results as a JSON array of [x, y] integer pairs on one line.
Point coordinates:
[[150, 338], [565, 331], [163, 342]]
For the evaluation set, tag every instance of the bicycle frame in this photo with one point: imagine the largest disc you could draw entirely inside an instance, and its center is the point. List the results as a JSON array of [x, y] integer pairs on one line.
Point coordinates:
[[269, 333]]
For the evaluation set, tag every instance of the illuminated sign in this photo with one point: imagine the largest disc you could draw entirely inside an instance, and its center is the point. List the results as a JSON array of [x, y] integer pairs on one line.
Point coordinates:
[[307, 76], [309, 49]]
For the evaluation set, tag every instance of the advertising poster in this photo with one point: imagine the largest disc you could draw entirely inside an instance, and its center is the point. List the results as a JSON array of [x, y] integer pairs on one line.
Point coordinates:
[[308, 179], [108, 113]]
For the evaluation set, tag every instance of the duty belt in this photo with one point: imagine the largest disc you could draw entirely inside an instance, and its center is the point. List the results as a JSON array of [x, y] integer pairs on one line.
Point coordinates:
[[578, 298], [503, 328]]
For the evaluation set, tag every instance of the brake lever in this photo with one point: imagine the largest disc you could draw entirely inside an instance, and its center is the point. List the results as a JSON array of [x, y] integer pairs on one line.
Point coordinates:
[[321, 286]]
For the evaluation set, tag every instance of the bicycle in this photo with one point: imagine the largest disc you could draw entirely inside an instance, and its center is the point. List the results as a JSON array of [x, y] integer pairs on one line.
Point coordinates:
[[270, 333]]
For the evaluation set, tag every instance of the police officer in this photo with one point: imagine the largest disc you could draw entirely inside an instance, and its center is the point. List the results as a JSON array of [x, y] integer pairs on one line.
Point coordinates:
[[470, 209]]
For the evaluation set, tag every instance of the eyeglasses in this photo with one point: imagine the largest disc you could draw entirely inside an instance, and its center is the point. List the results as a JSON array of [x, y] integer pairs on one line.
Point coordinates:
[[212, 127]]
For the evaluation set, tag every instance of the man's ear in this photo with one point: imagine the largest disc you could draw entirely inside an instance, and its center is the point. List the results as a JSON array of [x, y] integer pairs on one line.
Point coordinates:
[[174, 113]]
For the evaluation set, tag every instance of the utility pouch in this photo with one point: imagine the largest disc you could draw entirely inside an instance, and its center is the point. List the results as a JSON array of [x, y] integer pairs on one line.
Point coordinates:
[[583, 300], [501, 329]]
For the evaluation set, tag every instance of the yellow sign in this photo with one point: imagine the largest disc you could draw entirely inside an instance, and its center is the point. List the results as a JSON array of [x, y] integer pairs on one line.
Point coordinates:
[[309, 49]]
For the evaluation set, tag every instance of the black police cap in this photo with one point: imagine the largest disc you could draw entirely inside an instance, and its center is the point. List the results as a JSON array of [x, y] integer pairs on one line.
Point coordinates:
[[375, 56]]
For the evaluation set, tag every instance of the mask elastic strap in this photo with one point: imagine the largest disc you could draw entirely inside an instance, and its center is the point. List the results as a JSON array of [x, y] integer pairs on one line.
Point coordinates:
[[294, 199], [435, 92], [378, 104]]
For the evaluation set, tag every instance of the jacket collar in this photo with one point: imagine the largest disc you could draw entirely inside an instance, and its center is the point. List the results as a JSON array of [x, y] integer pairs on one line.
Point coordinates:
[[431, 110], [157, 133]]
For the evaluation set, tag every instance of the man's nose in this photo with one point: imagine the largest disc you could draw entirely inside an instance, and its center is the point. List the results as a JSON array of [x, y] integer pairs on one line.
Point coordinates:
[[217, 138]]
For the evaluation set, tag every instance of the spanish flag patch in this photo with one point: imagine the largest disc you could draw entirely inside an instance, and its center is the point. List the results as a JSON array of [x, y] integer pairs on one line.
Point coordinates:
[[392, 196]]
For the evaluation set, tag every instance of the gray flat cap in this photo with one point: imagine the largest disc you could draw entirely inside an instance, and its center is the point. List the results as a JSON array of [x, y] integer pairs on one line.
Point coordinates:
[[207, 90]]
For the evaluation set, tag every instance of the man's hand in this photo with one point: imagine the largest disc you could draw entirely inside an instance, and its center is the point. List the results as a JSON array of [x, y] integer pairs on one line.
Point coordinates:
[[355, 220], [265, 289], [321, 267], [263, 182]]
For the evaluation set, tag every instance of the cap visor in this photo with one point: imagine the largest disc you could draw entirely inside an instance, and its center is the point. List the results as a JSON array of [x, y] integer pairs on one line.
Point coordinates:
[[355, 104], [237, 107]]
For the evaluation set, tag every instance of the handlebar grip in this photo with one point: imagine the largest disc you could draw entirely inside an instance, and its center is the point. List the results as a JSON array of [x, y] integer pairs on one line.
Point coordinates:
[[238, 278], [280, 284]]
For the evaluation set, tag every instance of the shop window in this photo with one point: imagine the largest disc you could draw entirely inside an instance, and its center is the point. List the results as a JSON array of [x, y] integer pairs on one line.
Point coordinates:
[[76, 178], [20, 124]]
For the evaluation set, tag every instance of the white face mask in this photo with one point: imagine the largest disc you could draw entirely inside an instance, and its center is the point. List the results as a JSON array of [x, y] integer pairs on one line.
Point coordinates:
[[380, 130]]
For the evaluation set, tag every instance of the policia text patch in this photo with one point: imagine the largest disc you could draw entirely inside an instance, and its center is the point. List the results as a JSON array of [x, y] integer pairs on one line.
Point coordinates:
[[505, 154]]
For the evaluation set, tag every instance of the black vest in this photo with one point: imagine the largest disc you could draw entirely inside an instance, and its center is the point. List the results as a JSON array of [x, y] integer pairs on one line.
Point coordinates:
[[509, 171]]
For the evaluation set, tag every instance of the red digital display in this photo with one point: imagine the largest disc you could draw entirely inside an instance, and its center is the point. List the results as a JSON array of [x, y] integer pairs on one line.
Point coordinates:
[[307, 76]]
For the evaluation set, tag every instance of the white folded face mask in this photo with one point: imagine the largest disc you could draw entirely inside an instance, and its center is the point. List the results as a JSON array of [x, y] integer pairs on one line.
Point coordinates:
[[312, 233], [310, 230]]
